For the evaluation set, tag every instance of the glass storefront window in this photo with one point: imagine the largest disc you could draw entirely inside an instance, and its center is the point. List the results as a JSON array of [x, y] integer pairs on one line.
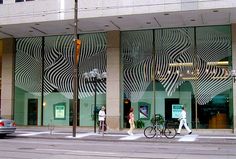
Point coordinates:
[[174, 71], [161, 68], [28, 81], [191, 68], [214, 84], [44, 79], [137, 57]]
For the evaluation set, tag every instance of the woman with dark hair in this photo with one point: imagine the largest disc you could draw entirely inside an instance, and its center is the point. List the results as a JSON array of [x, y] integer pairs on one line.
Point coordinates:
[[131, 121]]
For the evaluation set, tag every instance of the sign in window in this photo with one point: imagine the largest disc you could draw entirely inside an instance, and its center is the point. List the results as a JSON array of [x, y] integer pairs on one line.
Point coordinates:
[[176, 110], [60, 111]]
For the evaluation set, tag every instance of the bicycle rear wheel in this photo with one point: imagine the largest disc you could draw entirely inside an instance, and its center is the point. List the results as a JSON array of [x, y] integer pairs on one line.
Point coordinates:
[[170, 133], [149, 132]]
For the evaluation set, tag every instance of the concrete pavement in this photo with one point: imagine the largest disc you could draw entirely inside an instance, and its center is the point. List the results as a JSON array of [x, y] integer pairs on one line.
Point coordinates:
[[87, 133]]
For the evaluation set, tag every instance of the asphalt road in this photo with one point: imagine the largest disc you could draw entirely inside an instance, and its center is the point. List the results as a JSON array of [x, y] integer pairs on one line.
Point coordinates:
[[38, 148]]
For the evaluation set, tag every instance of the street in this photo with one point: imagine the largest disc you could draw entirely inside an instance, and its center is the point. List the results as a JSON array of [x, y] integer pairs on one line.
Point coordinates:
[[38, 148]]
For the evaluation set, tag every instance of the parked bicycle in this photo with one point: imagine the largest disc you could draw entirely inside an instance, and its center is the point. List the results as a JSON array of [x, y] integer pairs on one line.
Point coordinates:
[[160, 128]]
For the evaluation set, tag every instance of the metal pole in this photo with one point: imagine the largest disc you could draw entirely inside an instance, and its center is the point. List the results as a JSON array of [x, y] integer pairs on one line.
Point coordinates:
[[153, 72], [196, 80], [76, 55], [95, 102], [42, 93]]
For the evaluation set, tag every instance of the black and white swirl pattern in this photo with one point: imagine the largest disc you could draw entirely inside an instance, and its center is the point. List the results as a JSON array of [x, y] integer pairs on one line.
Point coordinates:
[[58, 64], [177, 46], [172, 46]]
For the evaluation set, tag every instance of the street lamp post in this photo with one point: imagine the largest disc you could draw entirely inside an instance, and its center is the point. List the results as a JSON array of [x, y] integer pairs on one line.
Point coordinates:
[[95, 77], [77, 44]]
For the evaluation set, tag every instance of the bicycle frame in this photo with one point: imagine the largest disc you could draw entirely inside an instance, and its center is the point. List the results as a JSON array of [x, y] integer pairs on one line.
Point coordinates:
[[163, 129]]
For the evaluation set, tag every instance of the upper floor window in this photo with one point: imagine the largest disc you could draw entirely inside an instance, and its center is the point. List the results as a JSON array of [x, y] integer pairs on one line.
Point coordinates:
[[1, 1]]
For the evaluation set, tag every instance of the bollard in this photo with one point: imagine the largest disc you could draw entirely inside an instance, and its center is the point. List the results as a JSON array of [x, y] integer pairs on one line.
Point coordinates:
[[102, 128], [51, 127]]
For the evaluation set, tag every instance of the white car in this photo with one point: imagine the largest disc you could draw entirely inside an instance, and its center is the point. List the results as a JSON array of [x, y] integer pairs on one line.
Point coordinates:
[[7, 126]]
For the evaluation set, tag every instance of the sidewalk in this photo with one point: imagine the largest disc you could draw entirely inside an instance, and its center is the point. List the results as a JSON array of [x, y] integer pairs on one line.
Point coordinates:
[[87, 133], [68, 129]]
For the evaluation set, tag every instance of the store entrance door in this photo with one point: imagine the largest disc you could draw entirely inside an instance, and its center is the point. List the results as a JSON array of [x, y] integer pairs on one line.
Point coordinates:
[[127, 106], [32, 111]]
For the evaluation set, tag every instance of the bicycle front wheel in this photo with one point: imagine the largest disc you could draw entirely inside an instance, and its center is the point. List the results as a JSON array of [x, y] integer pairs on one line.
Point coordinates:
[[149, 132], [170, 133]]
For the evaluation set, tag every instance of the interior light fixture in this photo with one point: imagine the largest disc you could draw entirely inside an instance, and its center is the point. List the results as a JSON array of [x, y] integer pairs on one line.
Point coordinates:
[[218, 63], [219, 77], [180, 64], [213, 63], [189, 78]]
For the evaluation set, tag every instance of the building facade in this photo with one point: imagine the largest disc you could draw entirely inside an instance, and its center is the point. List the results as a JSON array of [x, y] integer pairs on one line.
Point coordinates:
[[158, 56]]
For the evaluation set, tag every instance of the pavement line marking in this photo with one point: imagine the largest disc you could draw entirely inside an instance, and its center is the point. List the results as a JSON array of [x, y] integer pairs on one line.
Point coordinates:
[[121, 135], [81, 135], [132, 137], [188, 138], [217, 137], [32, 133], [78, 151]]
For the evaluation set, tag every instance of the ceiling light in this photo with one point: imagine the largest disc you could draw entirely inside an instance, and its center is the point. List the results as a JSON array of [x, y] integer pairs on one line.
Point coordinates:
[[217, 63], [189, 78], [181, 64], [219, 77]]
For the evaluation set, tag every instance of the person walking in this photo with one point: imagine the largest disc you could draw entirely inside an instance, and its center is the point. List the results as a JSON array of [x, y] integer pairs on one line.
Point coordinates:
[[131, 121], [183, 121], [101, 119]]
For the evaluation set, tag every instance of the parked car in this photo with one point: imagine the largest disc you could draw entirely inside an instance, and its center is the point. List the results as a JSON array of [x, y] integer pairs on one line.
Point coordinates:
[[7, 126]]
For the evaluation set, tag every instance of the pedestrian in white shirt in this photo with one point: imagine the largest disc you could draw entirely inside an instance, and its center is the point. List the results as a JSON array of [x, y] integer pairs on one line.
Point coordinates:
[[101, 119], [183, 121]]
